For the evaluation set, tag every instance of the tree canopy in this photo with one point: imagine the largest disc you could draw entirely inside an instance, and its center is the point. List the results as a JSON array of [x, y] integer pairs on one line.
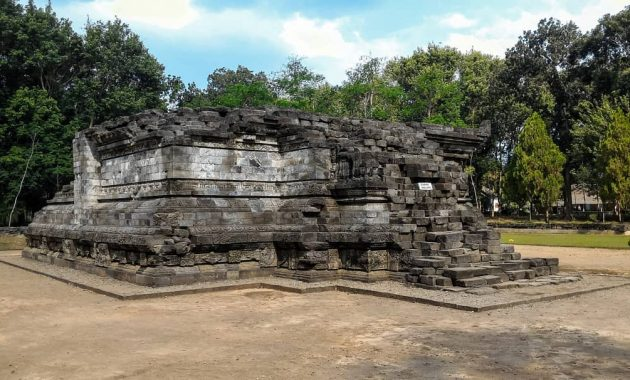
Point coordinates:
[[576, 84], [537, 165]]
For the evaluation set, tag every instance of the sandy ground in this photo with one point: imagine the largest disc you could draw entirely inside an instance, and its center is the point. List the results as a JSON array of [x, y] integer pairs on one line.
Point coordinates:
[[590, 260], [49, 330]]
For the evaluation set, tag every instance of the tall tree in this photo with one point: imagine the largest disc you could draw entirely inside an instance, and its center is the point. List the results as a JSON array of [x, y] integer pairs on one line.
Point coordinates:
[[431, 82], [605, 55], [614, 160], [230, 88], [40, 157], [37, 49], [588, 132], [296, 85], [118, 76], [476, 74], [512, 189], [370, 93], [538, 164], [538, 72], [221, 79]]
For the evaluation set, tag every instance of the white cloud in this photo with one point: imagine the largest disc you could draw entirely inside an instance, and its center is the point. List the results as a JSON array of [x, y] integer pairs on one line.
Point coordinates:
[[179, 20], [165, 14], [499, 34], [329, 46], [314, 39], [457, 21]]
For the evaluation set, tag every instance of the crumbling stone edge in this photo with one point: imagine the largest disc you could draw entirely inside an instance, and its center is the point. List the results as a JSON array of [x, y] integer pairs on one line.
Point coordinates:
[[319, 289]]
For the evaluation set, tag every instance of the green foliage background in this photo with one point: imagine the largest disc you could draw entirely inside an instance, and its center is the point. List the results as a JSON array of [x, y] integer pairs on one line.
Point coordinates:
[[54, 82]]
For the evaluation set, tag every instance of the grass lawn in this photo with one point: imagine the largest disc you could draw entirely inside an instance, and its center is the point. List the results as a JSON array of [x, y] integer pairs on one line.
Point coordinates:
[[567, 240]]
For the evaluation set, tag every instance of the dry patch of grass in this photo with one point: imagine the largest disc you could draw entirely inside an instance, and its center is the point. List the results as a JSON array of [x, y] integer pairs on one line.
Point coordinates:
[[11, 241]]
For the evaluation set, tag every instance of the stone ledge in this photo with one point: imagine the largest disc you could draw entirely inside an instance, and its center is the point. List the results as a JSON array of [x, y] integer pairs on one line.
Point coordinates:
[[502, 298]]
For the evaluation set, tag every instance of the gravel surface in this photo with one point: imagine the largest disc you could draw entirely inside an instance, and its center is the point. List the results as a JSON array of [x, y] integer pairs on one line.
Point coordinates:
[[49, 330]]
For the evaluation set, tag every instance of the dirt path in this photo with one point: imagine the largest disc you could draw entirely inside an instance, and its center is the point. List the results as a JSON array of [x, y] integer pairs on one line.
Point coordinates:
[[49, 330], [591, 260]]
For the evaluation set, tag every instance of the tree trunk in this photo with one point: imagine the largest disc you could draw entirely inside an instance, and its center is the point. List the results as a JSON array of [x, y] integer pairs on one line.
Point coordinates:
[[547, 215], [568, 200], [34, 139], [472, 181]]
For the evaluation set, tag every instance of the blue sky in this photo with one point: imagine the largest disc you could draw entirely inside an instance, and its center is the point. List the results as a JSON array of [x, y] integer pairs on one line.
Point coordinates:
[[194, 37]]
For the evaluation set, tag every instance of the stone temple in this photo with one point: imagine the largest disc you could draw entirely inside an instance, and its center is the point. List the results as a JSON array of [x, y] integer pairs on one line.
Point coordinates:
[[179, 197]]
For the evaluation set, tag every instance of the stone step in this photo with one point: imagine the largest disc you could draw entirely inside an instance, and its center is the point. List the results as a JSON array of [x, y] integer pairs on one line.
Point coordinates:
[[552, 261], [507, 248], [459, 273], [493, 270], [492, 279], [491, 257], [516, 256], [512, 264], [461, 265], [435, 280], [432, 262], [451, 245], [541, 271], [514, 275], [536, 262], [541, 262], [452, 252], [489, 234], [444, 236], [478, 281], [472, 238], [462, 259], [507, 256]]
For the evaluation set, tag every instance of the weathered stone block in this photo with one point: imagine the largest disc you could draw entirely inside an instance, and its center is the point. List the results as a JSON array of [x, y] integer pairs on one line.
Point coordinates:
[[463, 273]]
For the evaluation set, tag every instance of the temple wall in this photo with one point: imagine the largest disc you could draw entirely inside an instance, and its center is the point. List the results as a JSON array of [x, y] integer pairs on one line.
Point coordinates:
[[202, 163], [166, 198]]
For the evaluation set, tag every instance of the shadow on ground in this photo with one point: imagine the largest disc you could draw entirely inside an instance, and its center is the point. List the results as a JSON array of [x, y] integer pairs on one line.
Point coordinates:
[[531, 352]]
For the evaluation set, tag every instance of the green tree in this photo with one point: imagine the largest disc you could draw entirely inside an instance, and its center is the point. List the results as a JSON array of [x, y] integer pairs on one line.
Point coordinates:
[[368, 91], [605, 55], [327, 100], [588, 132], [539, 72], [296, 85], [230, 88], [512, 189], [430, 81], [105, 73], [614, 160], [40, 157], [37, 49], [476, 74], [255, 94], [538, 164], [220, 80], [118, 75], [435, 98]]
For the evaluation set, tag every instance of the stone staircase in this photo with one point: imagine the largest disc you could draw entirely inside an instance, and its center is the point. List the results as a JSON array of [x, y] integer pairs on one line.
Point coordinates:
[[440, 266]]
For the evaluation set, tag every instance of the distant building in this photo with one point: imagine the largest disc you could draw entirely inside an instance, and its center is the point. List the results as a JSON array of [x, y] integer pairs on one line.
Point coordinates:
[[582, 201]]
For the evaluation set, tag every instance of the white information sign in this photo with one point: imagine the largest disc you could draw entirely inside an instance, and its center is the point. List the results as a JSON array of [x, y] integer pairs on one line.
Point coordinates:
[[425, 186]]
